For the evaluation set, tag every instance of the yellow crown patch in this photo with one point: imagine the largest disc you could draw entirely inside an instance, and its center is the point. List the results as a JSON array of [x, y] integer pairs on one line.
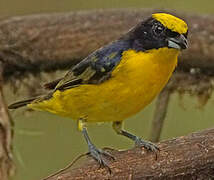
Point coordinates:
[[171, 22]]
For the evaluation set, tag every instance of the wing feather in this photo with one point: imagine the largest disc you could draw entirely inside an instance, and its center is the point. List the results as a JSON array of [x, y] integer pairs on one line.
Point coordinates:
[[96, 68]]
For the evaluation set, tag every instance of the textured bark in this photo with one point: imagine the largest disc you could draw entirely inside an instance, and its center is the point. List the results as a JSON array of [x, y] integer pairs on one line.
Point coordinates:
[[186, 157], [6, 165]]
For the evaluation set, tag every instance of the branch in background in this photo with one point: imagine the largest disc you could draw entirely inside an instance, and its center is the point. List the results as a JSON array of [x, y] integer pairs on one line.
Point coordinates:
[[57, 41], [186, 157], [159, 115], [6, 165]]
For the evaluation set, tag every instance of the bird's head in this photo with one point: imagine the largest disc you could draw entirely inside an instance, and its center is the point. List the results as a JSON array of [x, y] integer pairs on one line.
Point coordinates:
[[159, 31]]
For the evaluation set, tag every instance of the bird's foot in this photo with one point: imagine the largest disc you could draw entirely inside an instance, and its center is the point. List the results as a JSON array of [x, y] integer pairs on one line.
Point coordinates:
[[98, 154], [146, 144]]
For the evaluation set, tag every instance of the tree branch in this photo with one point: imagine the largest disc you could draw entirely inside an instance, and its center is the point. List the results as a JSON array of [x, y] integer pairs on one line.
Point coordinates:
[[159, 114], [48, 42], [6, 165], [186, 157]]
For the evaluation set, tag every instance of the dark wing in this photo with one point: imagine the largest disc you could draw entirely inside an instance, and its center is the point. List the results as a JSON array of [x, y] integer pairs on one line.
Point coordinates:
[[52, 84], [95, 68]]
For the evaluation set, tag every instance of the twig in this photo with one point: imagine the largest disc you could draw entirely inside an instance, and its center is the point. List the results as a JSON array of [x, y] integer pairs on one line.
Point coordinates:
[[66, 167], [159, 115]]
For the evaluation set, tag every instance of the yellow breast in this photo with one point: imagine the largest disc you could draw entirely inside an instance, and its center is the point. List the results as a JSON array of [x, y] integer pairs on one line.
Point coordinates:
[[135, 82]]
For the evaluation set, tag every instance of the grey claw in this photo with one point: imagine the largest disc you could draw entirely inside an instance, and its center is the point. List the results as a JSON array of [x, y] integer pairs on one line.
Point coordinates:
[[107, 154], [97, 155], [146, 144]]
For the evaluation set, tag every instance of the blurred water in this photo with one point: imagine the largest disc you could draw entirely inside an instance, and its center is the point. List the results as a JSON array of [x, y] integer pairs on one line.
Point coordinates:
[[44, 142]]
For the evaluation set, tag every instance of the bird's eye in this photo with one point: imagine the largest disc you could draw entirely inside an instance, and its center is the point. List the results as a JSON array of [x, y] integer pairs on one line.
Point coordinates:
[[158, 30]]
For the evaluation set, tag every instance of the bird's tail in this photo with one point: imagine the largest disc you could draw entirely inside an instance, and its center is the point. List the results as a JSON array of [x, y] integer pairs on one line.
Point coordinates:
[[21, 103]]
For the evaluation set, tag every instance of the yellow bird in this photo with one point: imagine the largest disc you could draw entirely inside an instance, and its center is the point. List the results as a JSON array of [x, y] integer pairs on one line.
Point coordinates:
[[118, 80]]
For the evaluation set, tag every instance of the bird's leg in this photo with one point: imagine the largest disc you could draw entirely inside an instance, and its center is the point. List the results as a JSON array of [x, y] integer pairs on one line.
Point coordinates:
[[117, 126], [93, 150]]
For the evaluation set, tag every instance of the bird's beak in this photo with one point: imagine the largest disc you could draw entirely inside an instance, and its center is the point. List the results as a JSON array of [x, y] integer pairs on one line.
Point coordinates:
[[179, 42]]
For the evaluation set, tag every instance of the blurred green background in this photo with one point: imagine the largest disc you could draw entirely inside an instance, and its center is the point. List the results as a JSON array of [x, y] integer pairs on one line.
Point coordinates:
[[44, 143]]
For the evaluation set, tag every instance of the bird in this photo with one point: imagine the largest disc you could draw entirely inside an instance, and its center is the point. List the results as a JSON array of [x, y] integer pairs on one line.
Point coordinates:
[[117, 80]]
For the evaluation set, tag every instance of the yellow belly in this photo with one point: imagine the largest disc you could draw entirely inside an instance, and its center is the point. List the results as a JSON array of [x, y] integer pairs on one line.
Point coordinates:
[[135, 82]]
